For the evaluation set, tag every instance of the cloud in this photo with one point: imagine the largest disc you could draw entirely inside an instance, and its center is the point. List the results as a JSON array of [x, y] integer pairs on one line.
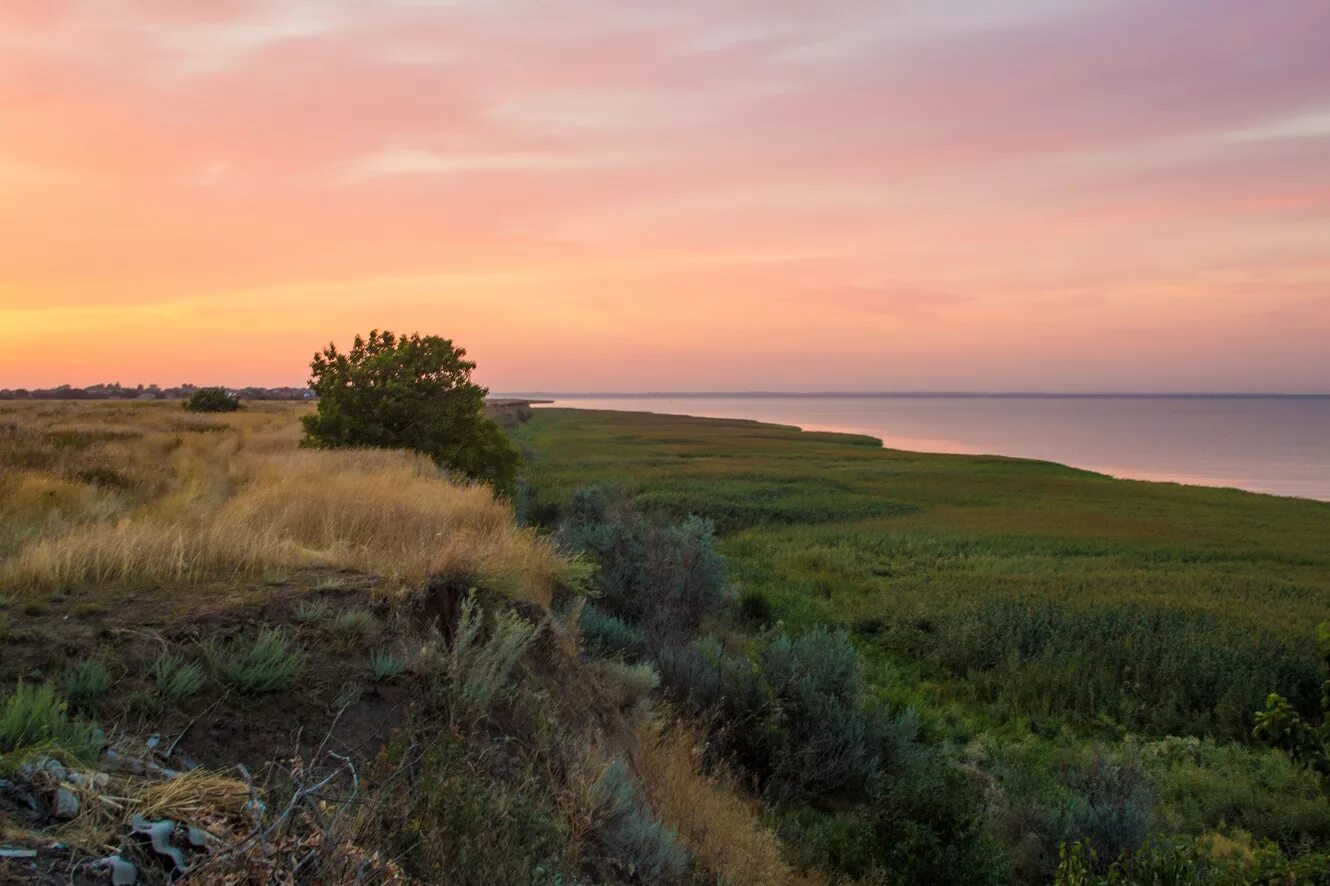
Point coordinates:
[[417, 161]]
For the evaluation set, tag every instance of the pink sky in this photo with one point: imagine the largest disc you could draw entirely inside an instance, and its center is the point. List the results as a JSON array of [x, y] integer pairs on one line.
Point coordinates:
[[1053, 195]]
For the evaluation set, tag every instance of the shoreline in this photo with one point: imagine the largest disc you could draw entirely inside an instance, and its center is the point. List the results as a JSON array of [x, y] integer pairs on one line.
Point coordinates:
[[949, 447]]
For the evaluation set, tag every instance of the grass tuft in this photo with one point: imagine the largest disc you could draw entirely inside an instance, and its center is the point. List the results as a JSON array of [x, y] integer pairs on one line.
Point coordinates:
[[383, 665], [177, 679], [33, 717], [354, 629], [87, 683], [267, 663]]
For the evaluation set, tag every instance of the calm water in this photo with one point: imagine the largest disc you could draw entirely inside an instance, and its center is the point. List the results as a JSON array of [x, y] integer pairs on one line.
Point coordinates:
[[1279, 445]]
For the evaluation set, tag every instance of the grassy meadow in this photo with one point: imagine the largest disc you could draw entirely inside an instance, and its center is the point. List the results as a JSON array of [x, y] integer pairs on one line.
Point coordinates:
[[196, 611], [1030, 612]]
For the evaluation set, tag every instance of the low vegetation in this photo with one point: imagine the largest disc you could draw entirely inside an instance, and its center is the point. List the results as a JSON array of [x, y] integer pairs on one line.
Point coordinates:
[[372, 648], [708, 652], [1048, 661]]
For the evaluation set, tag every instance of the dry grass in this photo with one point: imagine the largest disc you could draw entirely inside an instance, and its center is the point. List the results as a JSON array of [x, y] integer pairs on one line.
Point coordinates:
[[99, 493], [713, 819]]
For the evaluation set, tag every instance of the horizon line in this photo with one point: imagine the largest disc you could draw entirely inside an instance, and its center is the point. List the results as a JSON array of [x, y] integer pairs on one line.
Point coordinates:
[[871, 394]]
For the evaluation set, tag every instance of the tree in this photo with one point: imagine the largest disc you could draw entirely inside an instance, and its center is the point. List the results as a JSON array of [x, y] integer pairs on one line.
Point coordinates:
[[1281, 724], [412, 392], [212, 400]]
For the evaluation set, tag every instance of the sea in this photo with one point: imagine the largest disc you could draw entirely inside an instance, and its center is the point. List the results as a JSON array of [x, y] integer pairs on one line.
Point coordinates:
[[1271, 444]]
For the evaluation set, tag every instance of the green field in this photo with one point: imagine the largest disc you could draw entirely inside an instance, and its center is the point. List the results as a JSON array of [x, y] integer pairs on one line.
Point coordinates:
[[1010, 601]]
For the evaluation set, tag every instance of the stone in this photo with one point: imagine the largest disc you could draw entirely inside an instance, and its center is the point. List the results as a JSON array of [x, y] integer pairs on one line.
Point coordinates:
[[66, 803]]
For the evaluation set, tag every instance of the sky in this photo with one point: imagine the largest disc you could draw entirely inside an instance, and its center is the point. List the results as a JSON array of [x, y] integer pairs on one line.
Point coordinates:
[[1048, 195]]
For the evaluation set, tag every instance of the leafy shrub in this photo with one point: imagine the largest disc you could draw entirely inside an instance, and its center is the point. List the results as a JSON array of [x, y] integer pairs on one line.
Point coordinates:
[[630, 838], [87, 683], [607, 635], [212, 400], [176, 678], [798, 720], [268, 663], [662, 578], [832, 742], [354, 629], [475, 668], [34, 717], [383, 665], [1111, 807], [705, 680], [409, 392]]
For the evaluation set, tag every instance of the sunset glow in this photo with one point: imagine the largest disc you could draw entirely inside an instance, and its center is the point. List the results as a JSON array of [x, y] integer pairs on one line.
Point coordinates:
[[1059, 195]]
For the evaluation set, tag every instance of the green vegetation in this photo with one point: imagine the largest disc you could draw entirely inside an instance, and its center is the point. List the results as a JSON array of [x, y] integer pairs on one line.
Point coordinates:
[[1284, 726], [479, 660], [87, 682], [643, 850], [33, 719], [409, 392], [383, 665], [212, 400], [176, 678], [267, 663], [1051, 657], [354, 629]]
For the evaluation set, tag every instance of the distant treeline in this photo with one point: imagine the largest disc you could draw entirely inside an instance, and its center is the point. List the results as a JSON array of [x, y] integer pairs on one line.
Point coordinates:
[[117, 391]]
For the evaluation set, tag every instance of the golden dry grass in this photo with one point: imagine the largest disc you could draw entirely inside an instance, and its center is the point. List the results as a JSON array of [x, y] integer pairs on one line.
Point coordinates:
[[714, 821], [101, 493]]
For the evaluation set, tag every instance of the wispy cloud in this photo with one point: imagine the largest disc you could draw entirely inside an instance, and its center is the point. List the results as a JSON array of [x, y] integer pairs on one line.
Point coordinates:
[[417, 161]]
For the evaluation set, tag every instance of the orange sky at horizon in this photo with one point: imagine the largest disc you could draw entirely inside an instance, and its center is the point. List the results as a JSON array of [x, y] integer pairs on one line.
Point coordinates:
[[1065, 195]]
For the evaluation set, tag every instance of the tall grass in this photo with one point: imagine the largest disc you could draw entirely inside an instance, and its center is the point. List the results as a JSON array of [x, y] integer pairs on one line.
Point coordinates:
[[708, 812], [241, 501], [1035, 590]]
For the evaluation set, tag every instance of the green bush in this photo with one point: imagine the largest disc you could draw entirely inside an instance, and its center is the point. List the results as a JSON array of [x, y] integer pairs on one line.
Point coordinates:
[[1201, 785], [832, 741], [212, 400], [631, 840], [1186, 862], [926, 824], [729, 692], [798, 720], [1110, 809], [606, 635], [627, 684], [34, 718], [664, 579], [409, 392]]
